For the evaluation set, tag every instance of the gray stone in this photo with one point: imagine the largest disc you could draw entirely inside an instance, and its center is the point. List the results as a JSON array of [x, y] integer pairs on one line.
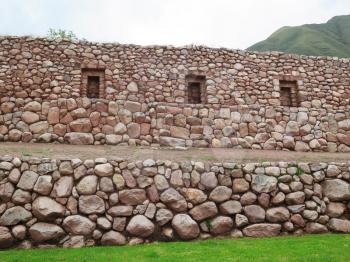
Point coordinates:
[[15, 215], [264, 184], [336, 190], [262, 230]]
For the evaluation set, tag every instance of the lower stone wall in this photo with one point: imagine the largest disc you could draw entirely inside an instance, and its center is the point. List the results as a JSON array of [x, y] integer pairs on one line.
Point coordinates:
[[85, 121], [74, 203]]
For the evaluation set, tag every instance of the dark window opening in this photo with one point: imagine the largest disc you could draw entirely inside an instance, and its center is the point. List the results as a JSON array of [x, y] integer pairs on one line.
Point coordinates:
[[289, 93], [93, 83], [93, 87], [194, 93], [195, 89]]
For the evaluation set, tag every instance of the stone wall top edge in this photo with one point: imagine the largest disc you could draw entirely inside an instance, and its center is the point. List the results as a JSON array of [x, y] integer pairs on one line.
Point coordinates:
[[188, 47]]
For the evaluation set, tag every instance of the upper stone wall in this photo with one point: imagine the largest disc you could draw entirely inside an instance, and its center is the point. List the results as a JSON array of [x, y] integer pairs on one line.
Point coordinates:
[[46, 70]]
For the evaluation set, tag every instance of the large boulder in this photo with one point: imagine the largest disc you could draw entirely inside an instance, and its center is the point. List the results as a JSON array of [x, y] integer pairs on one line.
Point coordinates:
[[254, 213], [195, 196], [63, 187], [104, 169], [295, 198], [221, 225], [41, 232], [315, 228], [113, 238], [15, 215], [203, 211], [76, 138], [336, 190], [220, 194], [185, 227], [27, 180], [339, 225], [78, 225], [174, 200], [277, 214], [87, 185], [47, 209], [91, 205], [171, 141], [82, 125], [132, 196], [141, 226], [6, 239], [230, 207], [262, 230], [163, 216], [263, 183]]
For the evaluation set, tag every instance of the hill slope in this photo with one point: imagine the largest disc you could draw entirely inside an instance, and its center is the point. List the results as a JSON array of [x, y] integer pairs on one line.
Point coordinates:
[[328, 39]]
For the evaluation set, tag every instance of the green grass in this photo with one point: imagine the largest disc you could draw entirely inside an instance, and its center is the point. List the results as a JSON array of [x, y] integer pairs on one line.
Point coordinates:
[[316, 248], [328, 39]]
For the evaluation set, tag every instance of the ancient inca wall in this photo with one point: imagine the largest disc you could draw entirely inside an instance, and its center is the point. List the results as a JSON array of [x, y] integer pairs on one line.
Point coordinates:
[[84, 121], [47, 202], [46, 70]]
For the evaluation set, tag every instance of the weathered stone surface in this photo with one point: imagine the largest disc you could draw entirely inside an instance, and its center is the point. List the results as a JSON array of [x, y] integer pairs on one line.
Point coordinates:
[[221, 225], [336, 190], [77, 138], [87, 185], [185, 227], [15, 215], [46, 209], [262, 230], [6, 239], [63, 187], [113, 238], [220, 194], [277, 214], [240, 185], [195, 196], [295, 198], [163, 216], [315, 228], [263, 183], [203, 211], [132, 196], [140, 226], [27, 180], [104, 169], [43, 185], [41, 232], [339, 225], [91, 205], [209, 180], [230, 207], [254, 213], [78, 225], [174, 200]]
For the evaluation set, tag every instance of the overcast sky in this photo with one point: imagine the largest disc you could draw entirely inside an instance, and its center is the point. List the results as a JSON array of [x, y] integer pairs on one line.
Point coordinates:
[[216, 23]]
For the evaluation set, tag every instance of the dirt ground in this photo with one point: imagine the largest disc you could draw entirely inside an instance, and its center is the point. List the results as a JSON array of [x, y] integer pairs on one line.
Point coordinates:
[[64, 151]]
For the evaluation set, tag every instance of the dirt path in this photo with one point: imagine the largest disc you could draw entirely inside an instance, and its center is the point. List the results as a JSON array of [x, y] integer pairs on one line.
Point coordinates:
[[63, 151]]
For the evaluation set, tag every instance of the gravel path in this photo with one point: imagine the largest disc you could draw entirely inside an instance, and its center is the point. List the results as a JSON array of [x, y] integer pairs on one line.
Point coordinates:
[[64, 151]]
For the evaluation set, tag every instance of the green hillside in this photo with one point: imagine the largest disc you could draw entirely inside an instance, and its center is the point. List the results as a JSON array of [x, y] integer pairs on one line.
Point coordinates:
[[328, 39]]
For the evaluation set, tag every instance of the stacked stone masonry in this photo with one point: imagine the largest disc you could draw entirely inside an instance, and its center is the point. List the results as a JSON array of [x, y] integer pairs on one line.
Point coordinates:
[[75, 203], [143, 96], [85, 121]]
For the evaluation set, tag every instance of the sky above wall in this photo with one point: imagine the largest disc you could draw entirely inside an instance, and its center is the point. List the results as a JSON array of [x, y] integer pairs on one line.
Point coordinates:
[[216, 23]]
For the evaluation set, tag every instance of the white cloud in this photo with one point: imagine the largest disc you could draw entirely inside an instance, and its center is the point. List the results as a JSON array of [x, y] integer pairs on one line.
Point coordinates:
[[229, 23]]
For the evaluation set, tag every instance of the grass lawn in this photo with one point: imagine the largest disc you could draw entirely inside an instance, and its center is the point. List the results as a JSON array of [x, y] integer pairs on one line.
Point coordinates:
[[306, 248]]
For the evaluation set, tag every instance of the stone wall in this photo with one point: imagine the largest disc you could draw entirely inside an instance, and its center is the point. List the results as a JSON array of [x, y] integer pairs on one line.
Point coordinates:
[[46, 70], [73, 203], [85, 121]]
